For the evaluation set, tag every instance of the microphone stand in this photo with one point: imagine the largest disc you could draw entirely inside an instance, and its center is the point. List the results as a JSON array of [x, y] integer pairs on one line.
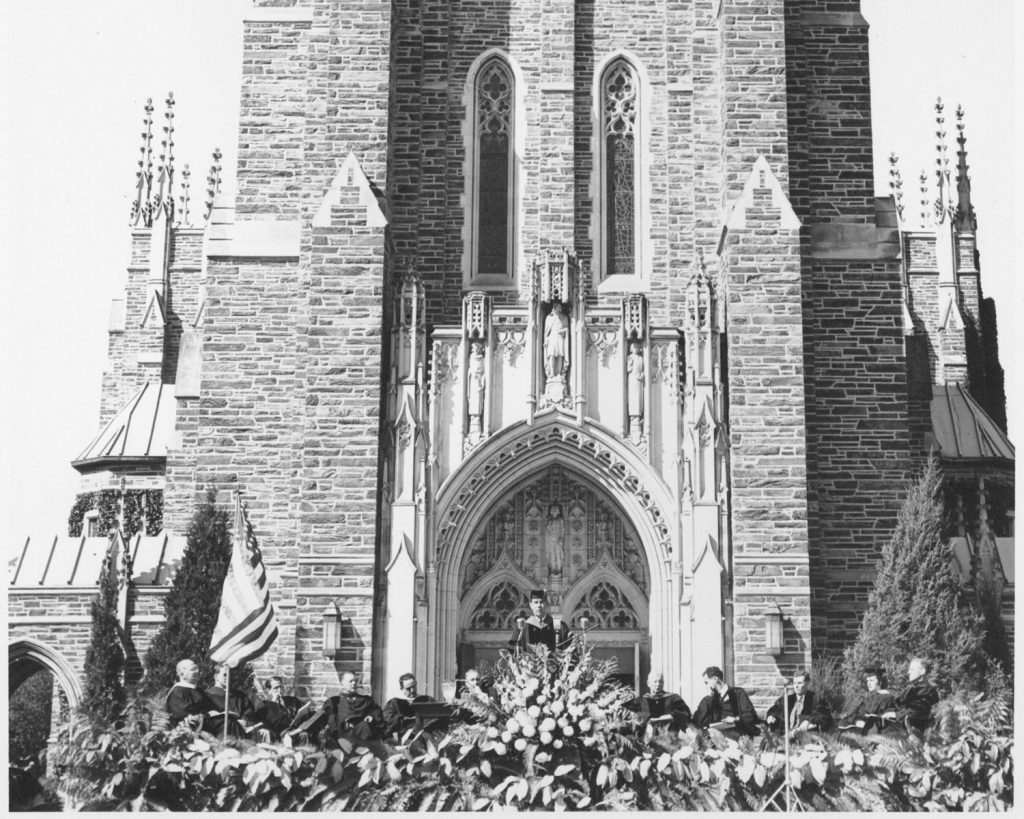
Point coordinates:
[[793, 802]]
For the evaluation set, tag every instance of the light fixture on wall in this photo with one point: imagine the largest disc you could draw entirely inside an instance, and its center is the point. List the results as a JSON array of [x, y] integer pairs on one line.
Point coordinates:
[[332, 631], [773, 632]]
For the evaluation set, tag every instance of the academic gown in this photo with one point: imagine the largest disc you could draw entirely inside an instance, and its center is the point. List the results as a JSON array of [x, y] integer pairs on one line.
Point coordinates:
[[736, 703], [346, 716], [540, 631], [184, 701], [400, 716], [870, 707], [914, 704], [653, 707], [278, 716], [813, 711]]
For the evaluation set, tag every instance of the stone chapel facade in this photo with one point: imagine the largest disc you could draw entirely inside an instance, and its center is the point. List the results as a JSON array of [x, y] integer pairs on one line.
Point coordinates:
[[594, 297]]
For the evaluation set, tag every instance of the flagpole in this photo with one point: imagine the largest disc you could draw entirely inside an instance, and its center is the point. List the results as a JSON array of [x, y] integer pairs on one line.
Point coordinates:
[[227, 697]]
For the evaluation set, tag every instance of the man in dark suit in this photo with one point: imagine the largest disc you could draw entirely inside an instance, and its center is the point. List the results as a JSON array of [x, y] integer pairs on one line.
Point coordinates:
[[187, 703], [539, 628], [806, 711], [866, 713], [725, 706], [658, 708], [913, 706]]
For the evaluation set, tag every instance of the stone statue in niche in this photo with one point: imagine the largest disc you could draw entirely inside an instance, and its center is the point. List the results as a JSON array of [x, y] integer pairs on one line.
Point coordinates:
[[554, 539], [635, 391], [556, 352], [475, 391]]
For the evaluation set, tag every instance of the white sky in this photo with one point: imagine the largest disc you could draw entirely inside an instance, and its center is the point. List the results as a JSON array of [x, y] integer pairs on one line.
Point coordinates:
[[79, 74]]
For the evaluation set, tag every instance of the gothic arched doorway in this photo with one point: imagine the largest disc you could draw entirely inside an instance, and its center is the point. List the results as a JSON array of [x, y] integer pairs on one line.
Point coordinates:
[[560, 533]]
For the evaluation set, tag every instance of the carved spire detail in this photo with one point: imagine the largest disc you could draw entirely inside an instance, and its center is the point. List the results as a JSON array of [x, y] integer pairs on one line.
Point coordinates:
[[965, 218], [944, 202], [184, 200], [144, 175], [152, 201], [896, 184], [212, 183], [925, 200]]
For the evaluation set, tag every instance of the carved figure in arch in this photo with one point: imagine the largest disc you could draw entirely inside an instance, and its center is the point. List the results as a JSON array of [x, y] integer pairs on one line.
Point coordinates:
[[475, 391], [554, 539], [556, 344], [635, 390]]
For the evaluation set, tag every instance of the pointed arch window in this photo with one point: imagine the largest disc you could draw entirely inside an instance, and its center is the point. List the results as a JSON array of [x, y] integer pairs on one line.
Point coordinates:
[[494, 172], [620, 104]]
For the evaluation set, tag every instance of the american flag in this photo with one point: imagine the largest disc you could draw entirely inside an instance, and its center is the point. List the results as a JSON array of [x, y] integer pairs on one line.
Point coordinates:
[[246, 625]]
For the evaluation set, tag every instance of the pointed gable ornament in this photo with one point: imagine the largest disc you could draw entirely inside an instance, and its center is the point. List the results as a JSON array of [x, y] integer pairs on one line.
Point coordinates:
[[760, 178], [350, 175]]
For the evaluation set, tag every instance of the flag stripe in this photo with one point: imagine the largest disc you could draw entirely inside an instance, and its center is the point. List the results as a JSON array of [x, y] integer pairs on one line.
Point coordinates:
[[247, 625]]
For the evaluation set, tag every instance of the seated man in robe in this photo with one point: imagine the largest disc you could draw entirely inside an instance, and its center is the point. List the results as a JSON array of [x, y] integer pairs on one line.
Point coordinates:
[[913, 705], [658, 708], [399, 713], [474, 687], [347, 715], [866, 713], [725, 707], [185, 702], [278, 711], [473, 699], [539, 628], [806, 711], [241, 711]]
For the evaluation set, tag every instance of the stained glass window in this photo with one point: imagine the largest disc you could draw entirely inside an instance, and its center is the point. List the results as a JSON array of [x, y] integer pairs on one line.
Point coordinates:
[[620, 111], [494, 153]]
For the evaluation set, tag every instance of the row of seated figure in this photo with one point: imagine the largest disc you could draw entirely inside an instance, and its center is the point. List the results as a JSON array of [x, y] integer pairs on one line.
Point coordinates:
[[271, 715], [728, 708]]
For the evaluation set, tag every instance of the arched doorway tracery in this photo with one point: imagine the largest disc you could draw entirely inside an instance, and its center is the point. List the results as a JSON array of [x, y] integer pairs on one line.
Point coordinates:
[[513, 459]]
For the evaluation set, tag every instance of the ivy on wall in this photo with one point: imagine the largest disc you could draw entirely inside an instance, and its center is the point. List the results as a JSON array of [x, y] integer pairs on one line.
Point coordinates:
[[143, 511]]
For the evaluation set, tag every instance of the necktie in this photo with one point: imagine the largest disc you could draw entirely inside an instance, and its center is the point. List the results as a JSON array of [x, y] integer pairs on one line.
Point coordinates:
[[798, 707]]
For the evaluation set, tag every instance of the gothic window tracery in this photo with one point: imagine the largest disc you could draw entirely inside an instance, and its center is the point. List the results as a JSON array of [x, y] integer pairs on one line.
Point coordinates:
[[510, 551], [495, 95], [497, 611], [619, 88], [606, 607]]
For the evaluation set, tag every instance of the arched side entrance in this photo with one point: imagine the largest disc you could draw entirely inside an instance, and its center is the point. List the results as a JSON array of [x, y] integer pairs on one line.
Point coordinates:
[[26, 656], [513, 459]]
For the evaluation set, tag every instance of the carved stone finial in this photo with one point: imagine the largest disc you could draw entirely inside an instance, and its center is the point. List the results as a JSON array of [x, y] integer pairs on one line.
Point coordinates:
[[212, 183], [144, 175], [164, 198], [183, 210], [943, 203], [896, 184], [925, 201], [965, 218]]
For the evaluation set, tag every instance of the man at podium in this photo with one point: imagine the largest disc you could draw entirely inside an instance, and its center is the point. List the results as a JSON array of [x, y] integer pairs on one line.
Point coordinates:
[[539, 628]]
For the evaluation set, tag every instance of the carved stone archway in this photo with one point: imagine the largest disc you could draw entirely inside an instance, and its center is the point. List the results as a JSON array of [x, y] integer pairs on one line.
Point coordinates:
[[26, 656], [512, 459]]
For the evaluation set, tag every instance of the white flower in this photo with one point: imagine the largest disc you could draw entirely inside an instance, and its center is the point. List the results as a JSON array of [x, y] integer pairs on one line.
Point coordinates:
[[557, 707], [506, 736], [545, 738], [542, 757], [568, 730], [500, 749], [521, 744], [586, 724], [513, 725], [534, 711], [492, 732], [548, 725], [558, 743], [541, 699], [529, 731], [562, 722]]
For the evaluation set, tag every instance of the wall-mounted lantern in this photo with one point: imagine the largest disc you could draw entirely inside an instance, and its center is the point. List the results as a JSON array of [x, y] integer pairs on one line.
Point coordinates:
[[773, 632], [332, 631]]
